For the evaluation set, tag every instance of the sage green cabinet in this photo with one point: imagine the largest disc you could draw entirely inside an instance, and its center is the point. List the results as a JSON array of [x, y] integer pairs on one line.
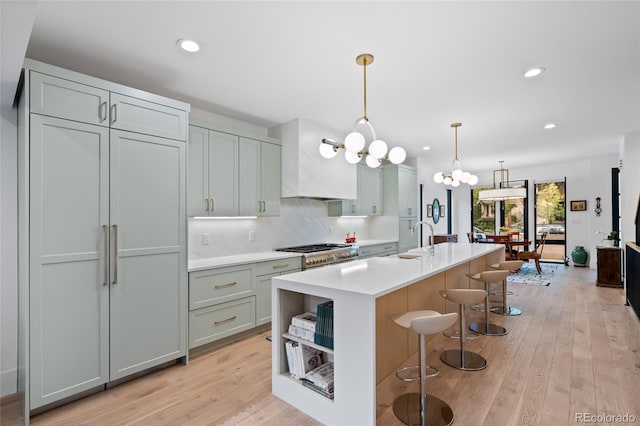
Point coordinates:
[[370, 195], [213, 173], [232, 175], [401, 200], [377, 250], [103, 287], [264, 272], [406, 240], [259, 180]]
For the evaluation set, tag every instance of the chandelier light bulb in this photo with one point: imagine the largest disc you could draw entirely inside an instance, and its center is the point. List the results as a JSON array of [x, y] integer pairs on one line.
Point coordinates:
[[473, 179], [327, 150], [447, 180], [372, 161], [378, 149], [438, 177], [465, 177], [455, 183], [397, 155], [354, 142], [457, 174], [352, 157]]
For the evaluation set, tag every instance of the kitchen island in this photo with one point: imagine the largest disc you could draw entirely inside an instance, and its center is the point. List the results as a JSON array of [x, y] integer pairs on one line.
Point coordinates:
[[368, 345]]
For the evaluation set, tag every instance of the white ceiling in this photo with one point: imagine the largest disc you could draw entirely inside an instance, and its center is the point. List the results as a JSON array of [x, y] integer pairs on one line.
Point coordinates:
[[435, 63]]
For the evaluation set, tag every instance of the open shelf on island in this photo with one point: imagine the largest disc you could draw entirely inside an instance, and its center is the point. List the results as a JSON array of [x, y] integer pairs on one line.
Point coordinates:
[[307, 343]]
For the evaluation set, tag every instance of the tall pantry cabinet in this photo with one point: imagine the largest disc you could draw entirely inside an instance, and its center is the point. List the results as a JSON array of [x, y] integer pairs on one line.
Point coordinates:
[[103, 256]]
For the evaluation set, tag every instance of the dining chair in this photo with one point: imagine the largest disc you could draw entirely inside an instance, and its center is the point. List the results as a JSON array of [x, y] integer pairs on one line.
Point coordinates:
[[535, 254]]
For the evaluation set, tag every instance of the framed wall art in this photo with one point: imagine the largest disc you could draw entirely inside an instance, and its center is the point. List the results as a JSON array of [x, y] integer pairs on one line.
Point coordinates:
[[429, 210], [578, 205]]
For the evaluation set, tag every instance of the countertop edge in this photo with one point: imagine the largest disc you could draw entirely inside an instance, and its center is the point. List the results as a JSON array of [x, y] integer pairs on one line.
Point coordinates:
[[238, 259]]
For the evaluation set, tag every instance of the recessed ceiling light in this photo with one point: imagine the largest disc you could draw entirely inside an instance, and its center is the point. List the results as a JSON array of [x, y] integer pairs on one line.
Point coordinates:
[[426, 148], [532, 72], [188, 45], [550, 125]]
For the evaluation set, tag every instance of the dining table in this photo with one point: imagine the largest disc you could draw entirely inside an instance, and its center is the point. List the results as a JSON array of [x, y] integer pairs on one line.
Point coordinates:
[[511, 246]]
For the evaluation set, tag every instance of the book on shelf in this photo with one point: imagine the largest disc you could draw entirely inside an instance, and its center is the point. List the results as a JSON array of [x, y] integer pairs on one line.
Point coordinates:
[[322, 377], [312, 386], [301, 359], [324, 327], [306, 320], [300, 332]]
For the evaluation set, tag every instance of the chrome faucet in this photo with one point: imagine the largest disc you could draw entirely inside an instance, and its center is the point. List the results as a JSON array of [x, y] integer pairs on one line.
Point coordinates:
[[432, 248]]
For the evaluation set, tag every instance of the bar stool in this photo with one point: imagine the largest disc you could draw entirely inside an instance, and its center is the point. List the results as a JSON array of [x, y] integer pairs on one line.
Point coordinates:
[[421, 408], [459, 358], [488, 277], [505, 309]]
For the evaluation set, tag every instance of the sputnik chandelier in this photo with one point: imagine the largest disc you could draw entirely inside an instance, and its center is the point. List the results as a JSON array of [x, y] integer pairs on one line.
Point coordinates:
[[355, 141], [457, 175]]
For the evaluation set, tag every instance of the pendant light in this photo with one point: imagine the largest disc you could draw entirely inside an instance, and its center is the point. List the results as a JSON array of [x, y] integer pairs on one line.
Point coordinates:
[[457, 175], [502, 191], [355, 142]]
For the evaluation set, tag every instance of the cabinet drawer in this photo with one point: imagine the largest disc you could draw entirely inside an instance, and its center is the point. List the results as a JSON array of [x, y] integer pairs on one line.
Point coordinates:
[[214, 286], [377, 250], [61, 98], [216, 322], [137, 115], [278, 266]]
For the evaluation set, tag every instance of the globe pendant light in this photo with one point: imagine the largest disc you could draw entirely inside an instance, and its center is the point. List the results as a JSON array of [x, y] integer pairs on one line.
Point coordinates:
[[457, 175], [355, 142]]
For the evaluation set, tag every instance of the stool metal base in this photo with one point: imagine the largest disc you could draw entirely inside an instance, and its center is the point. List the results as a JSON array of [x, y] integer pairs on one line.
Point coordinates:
[[509, 310], [487, 329], [455, 334], [471, 361], [407, 409]]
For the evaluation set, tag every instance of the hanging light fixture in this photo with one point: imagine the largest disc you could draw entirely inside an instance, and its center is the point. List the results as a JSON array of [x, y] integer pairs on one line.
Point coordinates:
[[456, 176], [502, 191], [355, 142]]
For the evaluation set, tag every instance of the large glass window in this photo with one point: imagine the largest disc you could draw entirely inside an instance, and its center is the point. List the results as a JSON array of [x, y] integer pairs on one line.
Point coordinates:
[[483, 215]]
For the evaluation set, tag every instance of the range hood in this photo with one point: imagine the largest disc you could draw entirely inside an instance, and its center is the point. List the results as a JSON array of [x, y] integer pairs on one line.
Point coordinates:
[[305, 173]]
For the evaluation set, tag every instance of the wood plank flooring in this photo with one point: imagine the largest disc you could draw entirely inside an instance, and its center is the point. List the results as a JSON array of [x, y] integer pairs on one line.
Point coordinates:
[[575, 349]]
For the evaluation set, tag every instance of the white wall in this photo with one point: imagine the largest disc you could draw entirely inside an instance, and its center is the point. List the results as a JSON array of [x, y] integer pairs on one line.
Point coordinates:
[[586, 180], [629, 184]]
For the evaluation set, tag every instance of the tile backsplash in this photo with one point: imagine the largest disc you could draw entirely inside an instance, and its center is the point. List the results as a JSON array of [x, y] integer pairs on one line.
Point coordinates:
[[301, 221]]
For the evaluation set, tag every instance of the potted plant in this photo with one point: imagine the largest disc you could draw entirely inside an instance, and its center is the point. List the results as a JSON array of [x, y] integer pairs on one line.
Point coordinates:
[[504, 230], [609, 239]]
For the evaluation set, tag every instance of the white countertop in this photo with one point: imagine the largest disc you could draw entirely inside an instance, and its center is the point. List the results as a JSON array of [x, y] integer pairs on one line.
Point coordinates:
[[238, 259], [378, 276]]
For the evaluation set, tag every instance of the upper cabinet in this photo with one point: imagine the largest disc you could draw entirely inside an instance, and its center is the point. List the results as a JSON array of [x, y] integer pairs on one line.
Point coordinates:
[[370, 195], [400, 191], [71, 100], [232, 175]]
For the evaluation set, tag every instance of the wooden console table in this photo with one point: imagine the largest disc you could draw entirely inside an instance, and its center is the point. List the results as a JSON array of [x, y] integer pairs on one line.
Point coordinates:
[[609, 266]]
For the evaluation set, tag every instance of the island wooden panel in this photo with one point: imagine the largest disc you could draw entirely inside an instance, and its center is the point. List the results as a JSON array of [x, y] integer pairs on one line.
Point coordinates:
[[394, 347]]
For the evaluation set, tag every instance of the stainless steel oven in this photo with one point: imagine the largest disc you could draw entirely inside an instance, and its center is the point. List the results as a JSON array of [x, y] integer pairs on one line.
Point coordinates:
[[316, 255]]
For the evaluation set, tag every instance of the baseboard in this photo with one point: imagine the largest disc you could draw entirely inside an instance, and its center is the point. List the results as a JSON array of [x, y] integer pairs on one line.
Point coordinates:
[[8, 382]]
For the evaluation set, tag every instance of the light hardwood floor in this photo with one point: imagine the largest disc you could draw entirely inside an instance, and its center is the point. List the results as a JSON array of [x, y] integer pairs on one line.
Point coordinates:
[[575, 349]]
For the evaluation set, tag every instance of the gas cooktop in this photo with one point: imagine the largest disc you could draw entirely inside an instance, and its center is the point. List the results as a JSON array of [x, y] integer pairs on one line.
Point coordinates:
[[312, 248]]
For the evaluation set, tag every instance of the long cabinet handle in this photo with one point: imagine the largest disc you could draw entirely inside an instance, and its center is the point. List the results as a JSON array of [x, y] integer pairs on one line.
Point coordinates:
[[225, 321], [219, 286], [212, 205], [102, 111], [409, 211], [105, 235], [206, 205], [115, 254], [114, 113], [280, 266]]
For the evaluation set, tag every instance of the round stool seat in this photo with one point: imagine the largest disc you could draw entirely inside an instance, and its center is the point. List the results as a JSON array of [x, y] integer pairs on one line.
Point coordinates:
[[460, 358], [486, 328], [511, 266], [426, 322]]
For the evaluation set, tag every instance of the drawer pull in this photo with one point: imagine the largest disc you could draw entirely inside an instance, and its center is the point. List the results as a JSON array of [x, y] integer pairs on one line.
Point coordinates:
[[280, 266], [219, 286], [225, 321], [388, 248]]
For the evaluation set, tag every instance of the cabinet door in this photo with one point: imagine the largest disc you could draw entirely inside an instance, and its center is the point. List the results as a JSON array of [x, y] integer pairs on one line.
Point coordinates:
[[263, 299], [66, 99], [270, 173], [223, 173], [148, 284], [140, 116], [68, 290], [369, 191], [407, 192], [406, 241], [198, 168], [249, 177]]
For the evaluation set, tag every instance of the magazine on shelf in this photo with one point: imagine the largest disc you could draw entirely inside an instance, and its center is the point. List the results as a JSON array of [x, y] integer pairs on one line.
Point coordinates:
[[322, 377], [306, 320], [301, 358], [312, 386]]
